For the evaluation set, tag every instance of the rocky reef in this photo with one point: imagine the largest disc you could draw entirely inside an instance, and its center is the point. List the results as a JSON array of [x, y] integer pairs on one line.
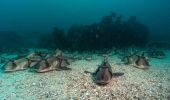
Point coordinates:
[[111, 31]]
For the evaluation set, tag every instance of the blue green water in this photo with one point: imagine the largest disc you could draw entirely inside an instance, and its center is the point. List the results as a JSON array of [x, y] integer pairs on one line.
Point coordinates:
[[85, 29], [31, 18]]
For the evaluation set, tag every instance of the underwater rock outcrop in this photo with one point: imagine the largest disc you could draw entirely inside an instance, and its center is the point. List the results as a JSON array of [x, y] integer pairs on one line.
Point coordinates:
[[111, 31]]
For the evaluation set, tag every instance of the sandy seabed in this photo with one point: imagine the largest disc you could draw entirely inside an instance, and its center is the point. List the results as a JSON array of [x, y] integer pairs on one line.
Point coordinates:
[[135, 84]]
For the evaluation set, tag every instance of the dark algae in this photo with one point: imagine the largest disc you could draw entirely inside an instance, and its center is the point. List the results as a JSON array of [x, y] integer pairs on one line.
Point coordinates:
[[85, 49]]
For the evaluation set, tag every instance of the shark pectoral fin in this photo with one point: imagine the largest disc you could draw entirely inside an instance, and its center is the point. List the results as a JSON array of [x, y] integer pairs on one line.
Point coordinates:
[[117, 74], [87, 72], [65, 68]]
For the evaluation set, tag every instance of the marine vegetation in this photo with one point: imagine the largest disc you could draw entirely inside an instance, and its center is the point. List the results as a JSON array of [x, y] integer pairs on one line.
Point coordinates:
[[111, 31]]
